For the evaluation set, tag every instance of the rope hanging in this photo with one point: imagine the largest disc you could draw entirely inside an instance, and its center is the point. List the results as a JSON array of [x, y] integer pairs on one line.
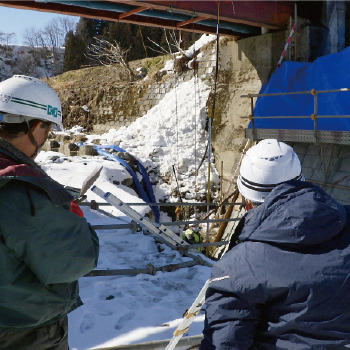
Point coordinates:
[[211, 117]]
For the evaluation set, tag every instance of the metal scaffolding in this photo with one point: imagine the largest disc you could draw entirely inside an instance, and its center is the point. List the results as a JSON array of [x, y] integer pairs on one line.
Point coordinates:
[[315, 135]]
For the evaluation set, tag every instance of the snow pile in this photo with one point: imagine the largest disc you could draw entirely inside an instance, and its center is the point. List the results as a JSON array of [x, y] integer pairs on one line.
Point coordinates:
[[203, 40], [190, 52], [121, 310], [171, 134]]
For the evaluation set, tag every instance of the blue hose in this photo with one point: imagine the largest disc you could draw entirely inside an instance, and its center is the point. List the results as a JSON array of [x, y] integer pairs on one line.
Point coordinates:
[[147, 197]]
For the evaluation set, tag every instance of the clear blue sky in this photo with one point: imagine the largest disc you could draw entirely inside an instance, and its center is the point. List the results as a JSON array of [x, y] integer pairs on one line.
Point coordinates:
[[16, 21]]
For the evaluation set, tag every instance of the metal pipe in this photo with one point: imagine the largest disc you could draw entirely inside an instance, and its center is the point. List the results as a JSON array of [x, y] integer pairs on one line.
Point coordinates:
[[298, 117], [113, 227], [296, 93], [221, 178], [175, 223], [150, 269], [187, 342], [252, 116], [194, 222], [315, 118], [88, 204], [202, 245]]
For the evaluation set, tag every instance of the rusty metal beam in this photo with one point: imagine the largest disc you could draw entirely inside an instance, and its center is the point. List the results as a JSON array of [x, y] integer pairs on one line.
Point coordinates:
[[193, 20], [195, 28], [114, 16], [269, 14], [129, 13]]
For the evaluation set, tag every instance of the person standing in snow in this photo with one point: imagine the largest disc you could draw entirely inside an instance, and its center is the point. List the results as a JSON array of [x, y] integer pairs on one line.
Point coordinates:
[[45, 243], [285, 282]]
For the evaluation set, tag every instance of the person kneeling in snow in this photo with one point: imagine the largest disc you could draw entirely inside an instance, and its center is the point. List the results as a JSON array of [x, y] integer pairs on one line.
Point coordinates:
[[284, 284], [44, 246]]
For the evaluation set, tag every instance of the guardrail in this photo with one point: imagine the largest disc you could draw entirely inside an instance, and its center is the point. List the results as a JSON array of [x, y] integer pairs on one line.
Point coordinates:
[[313, 116]]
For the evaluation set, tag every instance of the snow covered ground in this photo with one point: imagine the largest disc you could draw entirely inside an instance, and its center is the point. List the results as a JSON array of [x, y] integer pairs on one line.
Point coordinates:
[[121, 310], [125, 309]]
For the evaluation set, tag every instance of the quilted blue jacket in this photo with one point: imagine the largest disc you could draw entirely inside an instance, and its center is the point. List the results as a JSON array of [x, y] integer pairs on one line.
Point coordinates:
[[286, 285]]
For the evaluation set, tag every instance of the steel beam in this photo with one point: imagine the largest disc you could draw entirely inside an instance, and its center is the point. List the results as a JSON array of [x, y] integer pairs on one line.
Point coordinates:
[[269, 14], [189, 21], [114, 17], [272, 14], [129, 13]]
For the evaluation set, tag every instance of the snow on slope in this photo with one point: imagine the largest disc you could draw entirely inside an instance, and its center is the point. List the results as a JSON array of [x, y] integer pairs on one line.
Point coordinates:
[[120, 310]]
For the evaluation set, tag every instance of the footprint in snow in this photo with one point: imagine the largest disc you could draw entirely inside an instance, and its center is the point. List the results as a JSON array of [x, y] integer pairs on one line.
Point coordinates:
[[103, 309], [88, 323], [191, 273], [124, 320]]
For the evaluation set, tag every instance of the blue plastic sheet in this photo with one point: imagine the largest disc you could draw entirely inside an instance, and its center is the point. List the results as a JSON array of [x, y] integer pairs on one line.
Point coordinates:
[[325, 73], [147, 197]]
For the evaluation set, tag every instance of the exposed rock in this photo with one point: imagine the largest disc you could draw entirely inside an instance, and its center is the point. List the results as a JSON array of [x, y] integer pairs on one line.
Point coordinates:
[[128, 182], [73, 147], [87, 150]]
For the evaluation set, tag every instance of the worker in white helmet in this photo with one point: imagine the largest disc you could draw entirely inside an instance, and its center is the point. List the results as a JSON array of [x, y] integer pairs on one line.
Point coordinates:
[[285, 282], [45, 242]]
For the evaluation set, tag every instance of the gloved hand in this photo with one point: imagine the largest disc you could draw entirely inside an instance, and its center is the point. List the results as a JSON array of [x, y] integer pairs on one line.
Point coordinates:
[[74, 208]]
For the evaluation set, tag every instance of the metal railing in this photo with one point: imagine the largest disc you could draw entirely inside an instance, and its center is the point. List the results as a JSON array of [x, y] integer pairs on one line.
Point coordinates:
[[313, 116], [91, 204], [184, 342]]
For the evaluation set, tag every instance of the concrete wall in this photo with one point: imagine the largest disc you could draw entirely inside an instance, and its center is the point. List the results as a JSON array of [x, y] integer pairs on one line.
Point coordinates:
[[120, 106], [327, 165], [244, 66]]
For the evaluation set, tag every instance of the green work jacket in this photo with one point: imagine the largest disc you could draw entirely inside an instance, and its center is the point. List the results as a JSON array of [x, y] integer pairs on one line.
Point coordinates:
[[44, 249]]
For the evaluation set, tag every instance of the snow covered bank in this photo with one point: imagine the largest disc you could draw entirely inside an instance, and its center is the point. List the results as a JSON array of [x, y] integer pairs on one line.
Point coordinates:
[[125, 310], [121, 310]]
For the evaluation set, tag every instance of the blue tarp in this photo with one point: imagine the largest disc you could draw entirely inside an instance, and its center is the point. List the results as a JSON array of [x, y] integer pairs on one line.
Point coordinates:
[[325, 73], [147, 197]]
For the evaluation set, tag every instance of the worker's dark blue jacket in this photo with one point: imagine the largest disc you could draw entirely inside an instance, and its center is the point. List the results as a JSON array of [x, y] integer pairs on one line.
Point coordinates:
[[287, 284]]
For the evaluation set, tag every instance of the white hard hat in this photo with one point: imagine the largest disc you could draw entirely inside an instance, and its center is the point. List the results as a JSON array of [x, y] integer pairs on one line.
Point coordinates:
[[266, 165], [23, 98]]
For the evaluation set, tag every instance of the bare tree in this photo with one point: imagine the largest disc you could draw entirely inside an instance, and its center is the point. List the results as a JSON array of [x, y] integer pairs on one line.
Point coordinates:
[[52, 36], [66, 24], [173, 45], [109, 54], [25, 65], [5, 39], [179, 56], [8, 37], [34, 37]]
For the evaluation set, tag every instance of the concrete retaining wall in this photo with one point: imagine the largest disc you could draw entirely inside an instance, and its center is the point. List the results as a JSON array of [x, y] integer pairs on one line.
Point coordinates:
[[326, 165], [121, 106]]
